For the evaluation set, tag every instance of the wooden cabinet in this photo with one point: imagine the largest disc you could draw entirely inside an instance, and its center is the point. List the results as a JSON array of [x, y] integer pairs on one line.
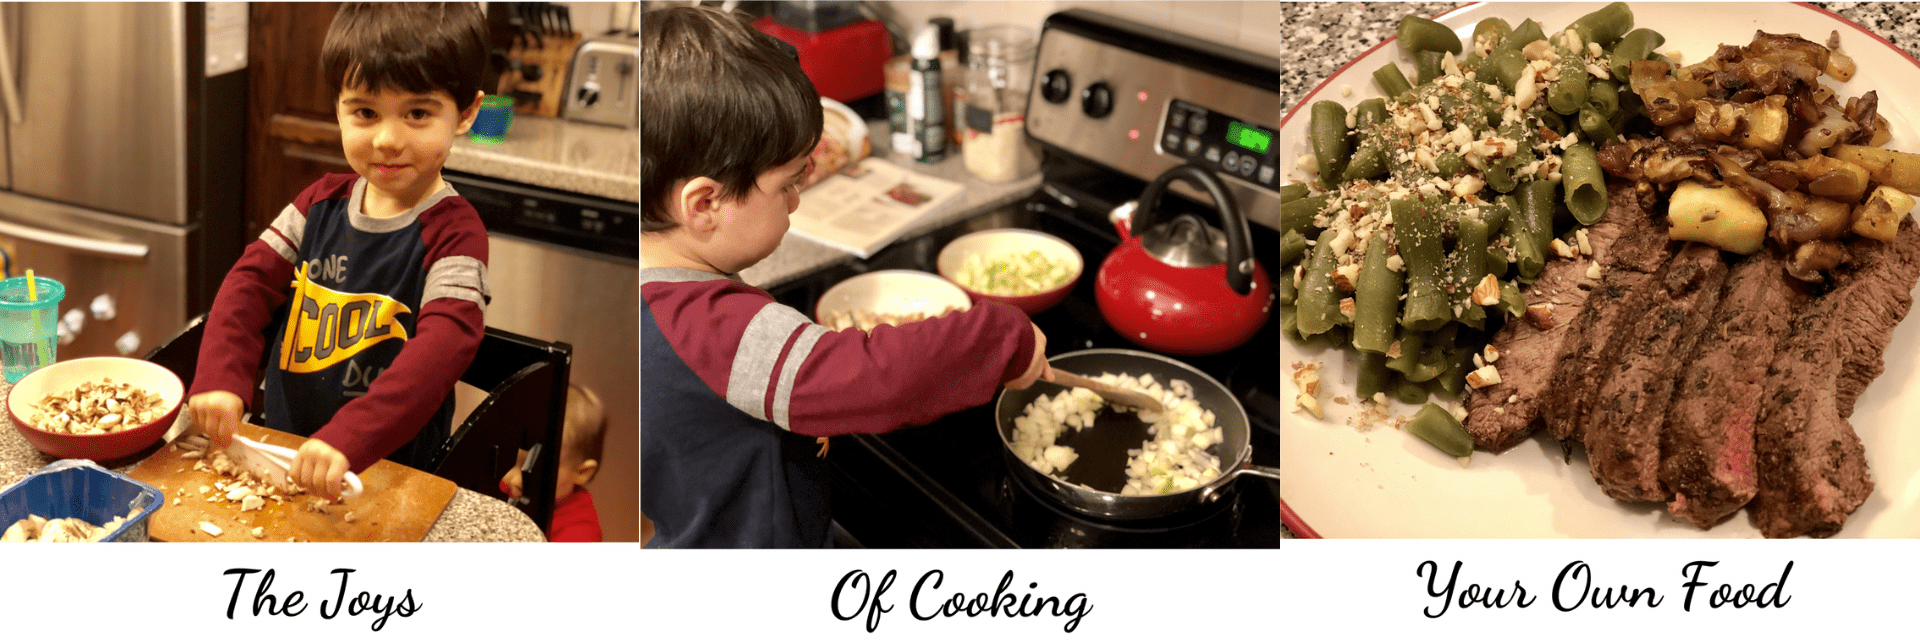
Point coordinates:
[[292, 135]]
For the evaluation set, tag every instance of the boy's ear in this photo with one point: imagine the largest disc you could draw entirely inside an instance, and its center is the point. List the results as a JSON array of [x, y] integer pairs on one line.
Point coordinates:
[[699, 201], [471, 113], [584, 472]]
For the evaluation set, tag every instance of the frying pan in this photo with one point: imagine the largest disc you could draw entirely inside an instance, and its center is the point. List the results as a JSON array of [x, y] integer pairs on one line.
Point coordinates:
[[1103, 447]]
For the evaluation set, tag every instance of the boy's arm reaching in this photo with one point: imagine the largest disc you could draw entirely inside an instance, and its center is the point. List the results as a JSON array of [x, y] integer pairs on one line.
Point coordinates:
[[233, 345], [771, 362]]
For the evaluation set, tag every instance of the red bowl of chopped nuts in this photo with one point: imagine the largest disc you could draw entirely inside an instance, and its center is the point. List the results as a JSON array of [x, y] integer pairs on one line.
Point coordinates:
[[95, 408]]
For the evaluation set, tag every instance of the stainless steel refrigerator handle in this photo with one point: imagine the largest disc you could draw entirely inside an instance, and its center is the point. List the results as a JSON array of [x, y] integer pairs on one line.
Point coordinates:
[[76, 243], [9, 88]]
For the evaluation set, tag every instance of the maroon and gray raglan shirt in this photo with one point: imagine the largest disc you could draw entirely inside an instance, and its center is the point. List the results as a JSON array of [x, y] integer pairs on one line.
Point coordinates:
[[735, 387], [365, 323]]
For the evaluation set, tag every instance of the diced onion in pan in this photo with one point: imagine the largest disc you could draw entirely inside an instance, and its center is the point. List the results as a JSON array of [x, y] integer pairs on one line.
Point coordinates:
[[1177, 458]]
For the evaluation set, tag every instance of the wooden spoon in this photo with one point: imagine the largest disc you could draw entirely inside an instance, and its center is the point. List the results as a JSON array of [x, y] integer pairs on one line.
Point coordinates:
[[1111, 393]]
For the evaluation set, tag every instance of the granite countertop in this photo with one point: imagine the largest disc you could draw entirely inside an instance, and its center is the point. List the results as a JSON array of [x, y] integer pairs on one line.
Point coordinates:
[[1337, 32], [470, 517], [798, 256], [564, 155]]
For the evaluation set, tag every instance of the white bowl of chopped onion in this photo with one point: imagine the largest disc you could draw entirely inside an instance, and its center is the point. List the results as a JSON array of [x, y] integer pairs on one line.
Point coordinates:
[[1024, 268], [891, 297]]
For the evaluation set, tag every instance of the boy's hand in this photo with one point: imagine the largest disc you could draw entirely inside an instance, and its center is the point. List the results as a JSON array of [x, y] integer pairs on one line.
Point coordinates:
[[1038, 369], [320, 468], [218, 414]]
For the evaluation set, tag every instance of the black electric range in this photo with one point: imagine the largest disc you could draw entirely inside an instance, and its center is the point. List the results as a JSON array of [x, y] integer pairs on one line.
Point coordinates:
[[947, 484]]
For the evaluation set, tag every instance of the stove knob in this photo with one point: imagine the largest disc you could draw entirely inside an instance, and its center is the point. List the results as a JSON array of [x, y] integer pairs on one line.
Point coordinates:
[[1056, 86], [1097, 100]]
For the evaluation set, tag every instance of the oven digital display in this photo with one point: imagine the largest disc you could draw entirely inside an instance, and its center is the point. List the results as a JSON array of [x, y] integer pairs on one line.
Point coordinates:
[[1249, 137]]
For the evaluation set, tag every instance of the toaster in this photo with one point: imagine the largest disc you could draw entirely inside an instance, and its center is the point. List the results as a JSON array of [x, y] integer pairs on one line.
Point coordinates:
[[603, 84]]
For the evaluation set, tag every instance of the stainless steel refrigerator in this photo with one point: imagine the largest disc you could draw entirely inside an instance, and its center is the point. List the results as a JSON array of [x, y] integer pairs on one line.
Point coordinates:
[[122, 161]]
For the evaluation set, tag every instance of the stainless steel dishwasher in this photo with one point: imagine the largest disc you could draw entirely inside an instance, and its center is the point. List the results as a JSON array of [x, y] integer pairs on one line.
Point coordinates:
[[565, 267]]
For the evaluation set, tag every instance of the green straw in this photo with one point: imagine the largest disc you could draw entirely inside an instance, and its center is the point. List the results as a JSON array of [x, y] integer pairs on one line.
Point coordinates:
[[33, 295]]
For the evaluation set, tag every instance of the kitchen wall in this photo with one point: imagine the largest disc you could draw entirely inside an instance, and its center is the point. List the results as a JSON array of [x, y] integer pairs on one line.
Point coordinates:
[[1254, 26]]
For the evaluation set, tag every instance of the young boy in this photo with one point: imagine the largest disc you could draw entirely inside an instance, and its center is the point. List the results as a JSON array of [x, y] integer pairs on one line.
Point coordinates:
[[387, 264], [736, 387], [574, 518]]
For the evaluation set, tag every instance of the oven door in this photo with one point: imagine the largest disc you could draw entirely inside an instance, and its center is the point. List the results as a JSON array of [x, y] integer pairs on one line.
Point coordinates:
[[125, 278]]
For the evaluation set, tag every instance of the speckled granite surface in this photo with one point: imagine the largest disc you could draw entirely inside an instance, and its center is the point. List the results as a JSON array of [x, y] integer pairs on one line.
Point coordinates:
[[576, 157], [1336, 32], [798, 256], [471, 517], [1319, 37]]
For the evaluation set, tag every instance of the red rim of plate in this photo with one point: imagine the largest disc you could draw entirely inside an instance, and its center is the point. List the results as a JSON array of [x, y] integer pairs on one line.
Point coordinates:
[[1292, 520]]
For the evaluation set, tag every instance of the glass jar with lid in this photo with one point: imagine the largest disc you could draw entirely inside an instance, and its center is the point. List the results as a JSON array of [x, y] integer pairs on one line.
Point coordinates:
[[999, 74]]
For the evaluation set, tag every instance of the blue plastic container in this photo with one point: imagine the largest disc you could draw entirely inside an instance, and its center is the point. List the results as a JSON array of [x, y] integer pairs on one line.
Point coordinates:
[[84, 490], [496, 116]]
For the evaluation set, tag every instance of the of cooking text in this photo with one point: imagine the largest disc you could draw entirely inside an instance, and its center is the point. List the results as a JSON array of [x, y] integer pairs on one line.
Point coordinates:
[[860, 591]]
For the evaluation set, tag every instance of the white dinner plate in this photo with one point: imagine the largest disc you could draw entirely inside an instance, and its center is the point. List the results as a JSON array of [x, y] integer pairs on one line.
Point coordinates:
[[1384, 482]]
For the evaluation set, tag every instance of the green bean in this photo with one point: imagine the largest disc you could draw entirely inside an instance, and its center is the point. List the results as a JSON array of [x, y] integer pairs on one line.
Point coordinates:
[[1376, 300], [1459, 363], [1511, 302], [1469, 266], [1450, 163], [1368, 112], [1528, 32], [1440, 429], [1289, 294], [1294, 192], [1319, 303], [1410, 342], [1603, 96], [1391, 80], [1369, 161], [1605, 26], [1553, 122], [1499, 173], [1566, 95], [1426, 66], [1374, 375], [1410, 392], [1419, 34], [1494, 213], [1595, 127], [1493, 28], [1417, 232], [1433, 358], [1532, 226], [1634, 46], [1507, 67], [1329, 131], [1290, 325], [1297, 216], [1292, 246], [1586, 187]]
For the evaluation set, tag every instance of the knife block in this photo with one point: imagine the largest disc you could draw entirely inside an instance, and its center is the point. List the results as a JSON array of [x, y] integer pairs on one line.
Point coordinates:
[[541, 96]]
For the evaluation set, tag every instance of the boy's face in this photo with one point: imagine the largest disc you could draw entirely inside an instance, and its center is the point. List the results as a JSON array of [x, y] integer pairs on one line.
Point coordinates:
[[398, 140], [750, 228]]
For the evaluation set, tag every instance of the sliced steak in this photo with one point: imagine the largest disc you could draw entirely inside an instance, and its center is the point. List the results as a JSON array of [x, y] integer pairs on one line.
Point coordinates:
[[1528, 355], [1628, 283], [1880, 281], [1707, 445], [1813, 469], [1622, 434]]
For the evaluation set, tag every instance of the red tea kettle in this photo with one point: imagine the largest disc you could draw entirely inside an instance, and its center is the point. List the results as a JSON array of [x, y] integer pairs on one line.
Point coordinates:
[[1183, 287]]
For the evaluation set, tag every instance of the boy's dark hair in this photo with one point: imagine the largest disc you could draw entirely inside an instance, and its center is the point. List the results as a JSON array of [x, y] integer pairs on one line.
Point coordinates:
[[409, 46], [723, 101]]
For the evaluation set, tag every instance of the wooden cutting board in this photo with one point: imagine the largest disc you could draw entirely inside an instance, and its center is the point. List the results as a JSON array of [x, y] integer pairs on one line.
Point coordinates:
[[398, 504]]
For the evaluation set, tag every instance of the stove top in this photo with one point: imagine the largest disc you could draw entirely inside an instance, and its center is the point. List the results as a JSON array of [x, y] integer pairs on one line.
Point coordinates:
[[947, 485]]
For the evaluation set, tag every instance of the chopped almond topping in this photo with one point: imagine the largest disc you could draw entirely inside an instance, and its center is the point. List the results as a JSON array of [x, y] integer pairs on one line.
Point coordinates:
[[1540, 316], [1561, 249], [1487, 293], [1483, 377], [1346, 307], [1493, 354]]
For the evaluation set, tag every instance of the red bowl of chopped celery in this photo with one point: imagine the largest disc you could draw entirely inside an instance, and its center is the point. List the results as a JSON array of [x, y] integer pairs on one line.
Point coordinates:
[[1027, 269]]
